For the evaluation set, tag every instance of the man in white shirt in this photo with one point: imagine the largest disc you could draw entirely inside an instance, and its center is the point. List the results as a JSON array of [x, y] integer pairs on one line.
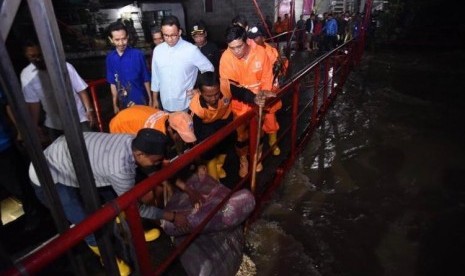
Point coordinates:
[[175, 65], [38, 92]]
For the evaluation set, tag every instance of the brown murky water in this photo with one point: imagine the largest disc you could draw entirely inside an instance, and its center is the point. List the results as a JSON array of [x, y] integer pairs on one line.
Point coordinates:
[[379, 190]]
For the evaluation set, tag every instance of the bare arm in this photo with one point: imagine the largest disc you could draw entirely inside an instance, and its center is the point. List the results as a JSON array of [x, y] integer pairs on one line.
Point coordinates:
[[34, 110], [85, 99], [9, 112], [155, 102], [114, 95], [149, 93], [179, 220]]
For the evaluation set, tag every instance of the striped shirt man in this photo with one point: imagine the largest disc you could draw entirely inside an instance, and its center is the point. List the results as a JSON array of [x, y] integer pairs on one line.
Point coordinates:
[[111, 160]]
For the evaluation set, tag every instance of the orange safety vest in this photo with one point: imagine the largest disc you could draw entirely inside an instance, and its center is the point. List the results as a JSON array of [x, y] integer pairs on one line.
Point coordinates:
[[271, 52], [136, 117], [279, 27], [209, 114], [286, 24], [254, 73], [273, 55]]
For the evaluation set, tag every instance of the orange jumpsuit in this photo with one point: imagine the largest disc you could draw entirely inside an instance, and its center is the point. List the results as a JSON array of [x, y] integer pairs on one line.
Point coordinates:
[[279, 27], [286, 24], [207, 121], [254, 73], [136, 117], [273, 56], [209, 114]]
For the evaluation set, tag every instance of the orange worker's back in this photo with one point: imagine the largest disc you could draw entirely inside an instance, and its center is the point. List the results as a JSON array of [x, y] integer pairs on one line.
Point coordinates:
[[136, 117]]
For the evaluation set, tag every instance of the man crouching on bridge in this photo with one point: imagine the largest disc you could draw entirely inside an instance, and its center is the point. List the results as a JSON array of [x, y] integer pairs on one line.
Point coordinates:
[[114, 159]]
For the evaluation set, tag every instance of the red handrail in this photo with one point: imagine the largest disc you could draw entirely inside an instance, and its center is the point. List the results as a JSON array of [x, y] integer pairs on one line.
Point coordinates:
[[93, 85]]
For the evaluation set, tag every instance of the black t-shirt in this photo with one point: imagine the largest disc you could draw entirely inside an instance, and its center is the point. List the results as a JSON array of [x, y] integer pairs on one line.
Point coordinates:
[[211, 51]]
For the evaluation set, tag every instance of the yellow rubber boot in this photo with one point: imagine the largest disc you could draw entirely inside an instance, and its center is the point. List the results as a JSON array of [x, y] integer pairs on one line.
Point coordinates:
[[219, 166], [124, 269], [243, 166], [272, 138], [149, 235], [211, 168], [95, 250], [122, 215]]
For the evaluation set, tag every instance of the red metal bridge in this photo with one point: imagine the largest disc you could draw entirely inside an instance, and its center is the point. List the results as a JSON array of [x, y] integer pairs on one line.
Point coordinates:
[[307, 96]]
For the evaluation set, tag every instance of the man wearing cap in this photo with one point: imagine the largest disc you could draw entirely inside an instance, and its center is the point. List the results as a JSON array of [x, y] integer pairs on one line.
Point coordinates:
[[208, 48], [175, 65], [113, 159], [178, 126], [134, 118], [270, 123]]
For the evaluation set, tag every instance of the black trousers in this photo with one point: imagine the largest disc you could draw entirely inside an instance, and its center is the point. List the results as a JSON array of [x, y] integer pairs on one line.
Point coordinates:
[[15, 180]]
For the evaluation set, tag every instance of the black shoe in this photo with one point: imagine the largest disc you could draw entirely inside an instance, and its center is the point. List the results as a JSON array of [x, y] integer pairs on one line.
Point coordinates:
[[31, 221]]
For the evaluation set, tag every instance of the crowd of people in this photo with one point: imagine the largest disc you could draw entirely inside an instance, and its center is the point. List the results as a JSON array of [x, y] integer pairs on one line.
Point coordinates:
[[186, 93], [320, 32]]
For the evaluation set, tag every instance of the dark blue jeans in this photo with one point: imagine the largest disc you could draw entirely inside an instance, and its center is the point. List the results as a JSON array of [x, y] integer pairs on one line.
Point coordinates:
[[73, 206]]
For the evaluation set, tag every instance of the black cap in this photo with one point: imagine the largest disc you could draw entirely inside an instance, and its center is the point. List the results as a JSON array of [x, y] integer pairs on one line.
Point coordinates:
[[198, 28], [150, 141]]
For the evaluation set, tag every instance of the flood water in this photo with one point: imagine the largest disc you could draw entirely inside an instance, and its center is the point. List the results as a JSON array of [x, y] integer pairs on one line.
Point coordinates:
[[379, 190]]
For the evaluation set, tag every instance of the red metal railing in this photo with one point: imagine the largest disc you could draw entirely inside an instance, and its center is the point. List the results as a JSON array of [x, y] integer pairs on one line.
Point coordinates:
[[93, 87], [323, 93]]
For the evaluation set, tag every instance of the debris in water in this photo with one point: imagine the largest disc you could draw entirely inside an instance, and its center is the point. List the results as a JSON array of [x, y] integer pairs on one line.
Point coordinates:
[[247, 267]]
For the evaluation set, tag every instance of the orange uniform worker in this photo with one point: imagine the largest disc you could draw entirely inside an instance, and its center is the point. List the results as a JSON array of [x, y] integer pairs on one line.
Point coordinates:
[[279, 69], [177, 125], [287, 23], [136, 117], [250, 68], [212, 111], [279, 26]]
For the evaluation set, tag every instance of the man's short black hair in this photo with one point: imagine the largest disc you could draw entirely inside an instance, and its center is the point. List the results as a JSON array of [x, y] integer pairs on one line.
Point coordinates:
[[30, 43], [235, 32], [240, 20], [208, 79], [155, 30], [116, 26], [150, 141], [170, 20]]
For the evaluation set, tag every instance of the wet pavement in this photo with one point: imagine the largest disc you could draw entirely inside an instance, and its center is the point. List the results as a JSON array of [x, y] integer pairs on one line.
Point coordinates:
[[379, 190]]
